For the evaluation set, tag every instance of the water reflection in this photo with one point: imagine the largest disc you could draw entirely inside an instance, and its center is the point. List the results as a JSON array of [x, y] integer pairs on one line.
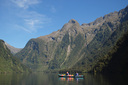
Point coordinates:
[[69, 79], [12, 78], [53, 79]]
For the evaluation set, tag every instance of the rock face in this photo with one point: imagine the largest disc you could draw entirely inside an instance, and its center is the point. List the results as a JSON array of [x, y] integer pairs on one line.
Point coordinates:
[[13, 49], [71, 44]]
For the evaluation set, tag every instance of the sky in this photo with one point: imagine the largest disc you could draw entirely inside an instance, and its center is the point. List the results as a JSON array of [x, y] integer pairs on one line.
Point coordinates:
[[22, 20]]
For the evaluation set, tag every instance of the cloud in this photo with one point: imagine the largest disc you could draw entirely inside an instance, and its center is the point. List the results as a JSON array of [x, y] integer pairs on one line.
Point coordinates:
[[32, 21], [25, 3], [23, 28], [29, 21]]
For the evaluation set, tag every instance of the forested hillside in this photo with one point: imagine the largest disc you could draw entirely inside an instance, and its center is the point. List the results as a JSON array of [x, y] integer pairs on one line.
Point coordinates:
[[116, 61], [8, 63], [102, 44]]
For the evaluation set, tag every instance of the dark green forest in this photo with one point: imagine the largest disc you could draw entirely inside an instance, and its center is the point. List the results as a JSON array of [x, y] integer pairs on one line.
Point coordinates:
[[116, 61]]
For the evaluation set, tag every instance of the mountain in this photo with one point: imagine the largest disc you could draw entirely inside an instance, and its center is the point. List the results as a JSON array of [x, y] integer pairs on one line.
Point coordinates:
[[55, 50], [13, 49], [116, 61], [104, 41], [75, 46], [9, 63]]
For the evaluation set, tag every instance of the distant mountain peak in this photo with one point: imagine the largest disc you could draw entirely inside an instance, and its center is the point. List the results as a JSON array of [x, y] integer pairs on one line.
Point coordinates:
[[13, 49], [1, 40], [73, 21]]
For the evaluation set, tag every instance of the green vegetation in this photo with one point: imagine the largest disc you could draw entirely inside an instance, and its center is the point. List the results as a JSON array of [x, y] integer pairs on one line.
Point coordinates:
[[116, 60], [94, 49], [60, 53], [8, 63], [76, 46], [99, 48], [61, 59], [100, 51], [33, 55]]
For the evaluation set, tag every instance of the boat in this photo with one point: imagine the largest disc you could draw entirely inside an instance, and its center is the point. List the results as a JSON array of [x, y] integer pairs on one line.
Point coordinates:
[[78, 76], [63, 75]]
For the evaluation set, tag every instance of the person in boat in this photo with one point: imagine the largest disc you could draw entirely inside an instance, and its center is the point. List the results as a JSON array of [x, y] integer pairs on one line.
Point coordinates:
[[67, 73], [77, 74]]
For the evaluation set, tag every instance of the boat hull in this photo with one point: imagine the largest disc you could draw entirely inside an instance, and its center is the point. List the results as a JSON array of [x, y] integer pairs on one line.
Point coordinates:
[[62, 75], [79, 76]]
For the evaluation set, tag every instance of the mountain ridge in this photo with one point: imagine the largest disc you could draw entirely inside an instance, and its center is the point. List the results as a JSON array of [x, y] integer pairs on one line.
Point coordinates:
[[69, 45]]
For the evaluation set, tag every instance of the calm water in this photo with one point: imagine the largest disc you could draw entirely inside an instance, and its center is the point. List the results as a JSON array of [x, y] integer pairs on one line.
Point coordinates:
[[53, 79]]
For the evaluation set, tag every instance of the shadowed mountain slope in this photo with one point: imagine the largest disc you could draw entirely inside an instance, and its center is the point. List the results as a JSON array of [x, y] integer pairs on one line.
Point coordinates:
[[116, 61]]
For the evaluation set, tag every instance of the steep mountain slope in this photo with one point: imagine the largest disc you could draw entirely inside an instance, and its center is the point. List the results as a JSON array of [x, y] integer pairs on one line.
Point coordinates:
[[13, 49], [77, 46], [8, 63], [103, 42], [116, 61], [55, 50], [98, 49]]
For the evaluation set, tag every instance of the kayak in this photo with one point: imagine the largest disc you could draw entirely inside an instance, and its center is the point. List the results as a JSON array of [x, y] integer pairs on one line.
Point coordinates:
[[78, 76], [63, 75]]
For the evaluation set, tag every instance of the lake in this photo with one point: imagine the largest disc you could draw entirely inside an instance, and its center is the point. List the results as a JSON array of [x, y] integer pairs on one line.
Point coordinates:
[[53, 79]]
